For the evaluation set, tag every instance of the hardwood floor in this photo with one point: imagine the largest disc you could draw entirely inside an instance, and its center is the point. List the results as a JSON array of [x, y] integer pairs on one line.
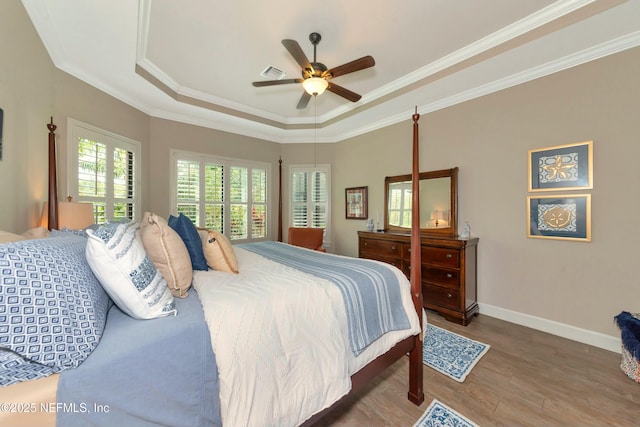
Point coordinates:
[[527, 378]]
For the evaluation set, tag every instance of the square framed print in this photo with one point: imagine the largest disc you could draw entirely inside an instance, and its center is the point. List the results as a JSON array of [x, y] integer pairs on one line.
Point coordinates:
[[561, 168], [563, 217], [356, 203]]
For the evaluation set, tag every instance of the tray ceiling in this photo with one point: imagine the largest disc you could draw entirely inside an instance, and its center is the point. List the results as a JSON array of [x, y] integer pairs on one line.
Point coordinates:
[[193, 61]]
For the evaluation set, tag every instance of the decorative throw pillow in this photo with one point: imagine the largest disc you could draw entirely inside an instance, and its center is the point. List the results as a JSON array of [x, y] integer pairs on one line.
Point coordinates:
[[168, 253], [189, 234], [52, 307], [7, 237], [219, 252], [117, 257]]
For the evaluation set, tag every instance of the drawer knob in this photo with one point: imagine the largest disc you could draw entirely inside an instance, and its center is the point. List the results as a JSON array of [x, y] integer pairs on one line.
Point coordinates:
[[393, 248], [365, 243], [449, 256], [449, 296], [449, 275]]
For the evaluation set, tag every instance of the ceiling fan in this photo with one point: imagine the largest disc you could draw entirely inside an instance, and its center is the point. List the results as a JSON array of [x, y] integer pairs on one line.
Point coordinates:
[[315, 75]]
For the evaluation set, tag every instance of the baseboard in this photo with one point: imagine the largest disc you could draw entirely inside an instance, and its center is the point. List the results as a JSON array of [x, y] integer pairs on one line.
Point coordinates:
[[584, 336]]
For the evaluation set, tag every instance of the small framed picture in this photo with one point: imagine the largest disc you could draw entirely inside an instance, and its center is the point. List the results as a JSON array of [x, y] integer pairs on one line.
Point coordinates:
[[561, 168], [356, 203], [564, 217]]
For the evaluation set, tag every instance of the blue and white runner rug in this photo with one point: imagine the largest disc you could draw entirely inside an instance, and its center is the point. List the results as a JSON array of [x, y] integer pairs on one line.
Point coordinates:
[[440, 415], [450, 353]]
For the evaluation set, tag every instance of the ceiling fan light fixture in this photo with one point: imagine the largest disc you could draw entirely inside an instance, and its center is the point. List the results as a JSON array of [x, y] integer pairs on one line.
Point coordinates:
[[315, 85]]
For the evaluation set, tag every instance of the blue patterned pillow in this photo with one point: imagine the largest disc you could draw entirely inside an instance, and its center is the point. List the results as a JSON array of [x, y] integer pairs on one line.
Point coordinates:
[[189, 233], [52, 307], [117, 257]]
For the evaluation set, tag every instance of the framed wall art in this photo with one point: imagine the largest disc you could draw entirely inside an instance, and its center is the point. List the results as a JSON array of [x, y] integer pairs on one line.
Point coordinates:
[[564, 217], [356, 203], [563, 167]]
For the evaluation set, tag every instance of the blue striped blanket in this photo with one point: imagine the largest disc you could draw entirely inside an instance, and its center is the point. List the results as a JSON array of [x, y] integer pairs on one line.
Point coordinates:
[[371, 290]]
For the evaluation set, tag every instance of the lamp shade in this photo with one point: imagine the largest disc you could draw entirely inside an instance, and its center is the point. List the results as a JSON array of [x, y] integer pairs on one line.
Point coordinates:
[[315, 85], [440, 218], [72, 215]]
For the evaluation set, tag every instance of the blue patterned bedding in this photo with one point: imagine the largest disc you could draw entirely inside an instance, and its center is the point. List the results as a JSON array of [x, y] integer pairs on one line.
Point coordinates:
[[146, 373], [52, 307], [370, 289]]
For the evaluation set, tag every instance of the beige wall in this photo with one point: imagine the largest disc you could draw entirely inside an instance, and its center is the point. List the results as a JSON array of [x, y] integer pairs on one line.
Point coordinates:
[[535, 282], [32, 91], [26, 96], [569, 288], [77, 100]]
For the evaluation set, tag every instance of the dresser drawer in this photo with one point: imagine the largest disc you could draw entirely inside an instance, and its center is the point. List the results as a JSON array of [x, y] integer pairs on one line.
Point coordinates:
[[443, 297], [441, 256], [389, 260], [441, 276], [380, 248]]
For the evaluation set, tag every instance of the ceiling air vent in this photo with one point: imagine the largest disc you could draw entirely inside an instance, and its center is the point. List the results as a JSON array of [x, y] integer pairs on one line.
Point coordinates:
[[272, 72]]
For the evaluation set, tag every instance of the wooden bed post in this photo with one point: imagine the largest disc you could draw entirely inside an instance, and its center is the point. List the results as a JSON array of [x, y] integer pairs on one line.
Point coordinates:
[[416, 394], [53, 184]]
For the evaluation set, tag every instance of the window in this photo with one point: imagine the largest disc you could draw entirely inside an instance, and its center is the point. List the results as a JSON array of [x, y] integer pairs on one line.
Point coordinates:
[[228, 195], [103, 170], [311, 197], [400, 198]]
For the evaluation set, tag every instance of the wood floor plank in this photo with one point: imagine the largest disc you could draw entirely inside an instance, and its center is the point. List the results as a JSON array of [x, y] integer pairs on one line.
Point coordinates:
[[527, 378]]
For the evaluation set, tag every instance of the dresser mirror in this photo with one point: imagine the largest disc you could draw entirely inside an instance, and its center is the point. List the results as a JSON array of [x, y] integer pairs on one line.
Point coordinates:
[[438, 202]]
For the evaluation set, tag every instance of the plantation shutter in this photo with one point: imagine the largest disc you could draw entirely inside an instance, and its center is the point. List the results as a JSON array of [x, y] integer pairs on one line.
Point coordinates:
[[103, 169], [259, 203], [214, 196], [310, 197], [299, 198], [227, 195], [188, 188], [319, 199], [238, 206]]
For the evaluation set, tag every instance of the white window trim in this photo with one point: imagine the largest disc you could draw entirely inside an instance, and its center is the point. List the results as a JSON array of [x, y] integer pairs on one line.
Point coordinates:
[[226, 162], [77, 129], [312, 167]]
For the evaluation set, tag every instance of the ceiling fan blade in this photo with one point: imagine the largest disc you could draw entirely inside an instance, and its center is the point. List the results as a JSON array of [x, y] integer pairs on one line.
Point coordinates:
[[345, 93], [304, 101], [298, 54], [350, 67], [276, 82]]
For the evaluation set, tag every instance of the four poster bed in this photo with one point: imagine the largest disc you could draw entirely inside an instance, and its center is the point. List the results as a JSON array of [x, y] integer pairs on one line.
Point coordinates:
[[280, 343]]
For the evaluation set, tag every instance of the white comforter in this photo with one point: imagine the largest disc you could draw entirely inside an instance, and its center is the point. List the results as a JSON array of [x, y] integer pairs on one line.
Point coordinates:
[[281, 341]]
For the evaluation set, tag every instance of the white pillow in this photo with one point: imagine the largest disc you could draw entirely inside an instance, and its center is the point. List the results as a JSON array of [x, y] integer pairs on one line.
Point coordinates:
[[117, 257]]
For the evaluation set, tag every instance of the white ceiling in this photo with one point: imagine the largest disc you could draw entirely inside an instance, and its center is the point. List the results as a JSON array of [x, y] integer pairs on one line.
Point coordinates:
[[193, 61]]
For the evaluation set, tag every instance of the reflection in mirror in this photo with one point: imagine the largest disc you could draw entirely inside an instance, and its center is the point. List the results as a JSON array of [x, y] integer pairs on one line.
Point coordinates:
[[437, 202], [434, 210]]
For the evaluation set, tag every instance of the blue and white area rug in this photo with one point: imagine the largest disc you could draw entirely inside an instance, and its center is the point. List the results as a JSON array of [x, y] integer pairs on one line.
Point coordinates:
[[440, 415], [451, 354]]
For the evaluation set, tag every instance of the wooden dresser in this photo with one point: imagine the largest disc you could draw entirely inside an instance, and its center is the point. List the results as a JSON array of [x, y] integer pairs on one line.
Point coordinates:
[[449, 269]]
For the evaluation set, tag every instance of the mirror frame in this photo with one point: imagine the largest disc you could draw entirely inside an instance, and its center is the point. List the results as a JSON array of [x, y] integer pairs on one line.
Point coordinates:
[[452, 230]]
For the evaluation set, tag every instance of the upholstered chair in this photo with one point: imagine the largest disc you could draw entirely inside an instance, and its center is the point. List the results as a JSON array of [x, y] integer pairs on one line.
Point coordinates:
[[306, 237]]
